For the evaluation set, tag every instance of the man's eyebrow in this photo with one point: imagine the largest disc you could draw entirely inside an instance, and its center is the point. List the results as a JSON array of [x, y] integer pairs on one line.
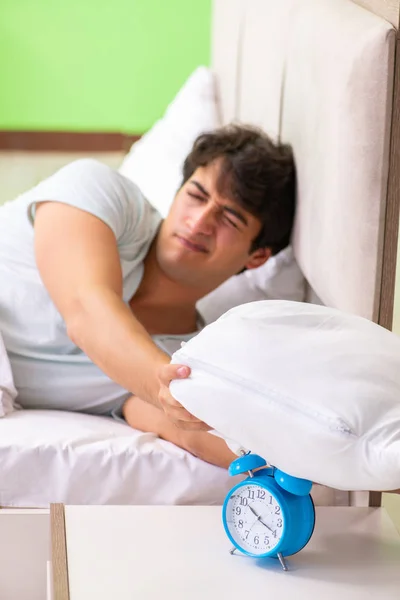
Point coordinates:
[[200, 187], [227, 209]]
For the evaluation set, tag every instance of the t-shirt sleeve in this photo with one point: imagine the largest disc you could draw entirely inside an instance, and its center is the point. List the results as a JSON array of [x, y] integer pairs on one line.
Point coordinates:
[[94, 187]]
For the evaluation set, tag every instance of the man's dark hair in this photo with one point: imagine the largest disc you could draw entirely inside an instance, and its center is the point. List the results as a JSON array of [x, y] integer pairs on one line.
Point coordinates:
[[256, 173]]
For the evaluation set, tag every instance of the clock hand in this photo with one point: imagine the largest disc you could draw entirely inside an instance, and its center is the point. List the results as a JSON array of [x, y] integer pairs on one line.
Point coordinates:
[[265, 525], [259, 518], [254, 512]]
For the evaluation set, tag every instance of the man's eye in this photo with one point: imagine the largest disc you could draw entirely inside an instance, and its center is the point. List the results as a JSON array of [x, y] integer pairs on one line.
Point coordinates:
[[230, 222], [197, 197]]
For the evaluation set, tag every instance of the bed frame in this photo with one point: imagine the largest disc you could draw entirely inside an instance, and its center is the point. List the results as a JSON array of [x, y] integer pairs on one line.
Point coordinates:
[[390, 11], [272, 60]]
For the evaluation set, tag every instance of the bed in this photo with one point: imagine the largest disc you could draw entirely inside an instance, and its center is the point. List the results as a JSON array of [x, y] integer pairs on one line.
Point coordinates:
[[323, 76]]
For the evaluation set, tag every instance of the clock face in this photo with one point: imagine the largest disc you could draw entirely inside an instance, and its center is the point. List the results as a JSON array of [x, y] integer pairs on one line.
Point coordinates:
[[254, 519]]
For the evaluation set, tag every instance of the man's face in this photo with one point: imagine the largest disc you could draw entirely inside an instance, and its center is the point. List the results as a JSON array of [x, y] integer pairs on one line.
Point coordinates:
[[206, 238]]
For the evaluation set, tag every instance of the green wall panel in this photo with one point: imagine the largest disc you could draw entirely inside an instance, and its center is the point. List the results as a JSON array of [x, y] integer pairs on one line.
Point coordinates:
[[81, 65]]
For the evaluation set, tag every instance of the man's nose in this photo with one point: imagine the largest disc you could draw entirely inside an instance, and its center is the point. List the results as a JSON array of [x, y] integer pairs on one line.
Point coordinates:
[[202, 221]]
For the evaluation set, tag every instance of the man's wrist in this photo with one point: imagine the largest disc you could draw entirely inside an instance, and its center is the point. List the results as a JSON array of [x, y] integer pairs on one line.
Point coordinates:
[[162, 360]]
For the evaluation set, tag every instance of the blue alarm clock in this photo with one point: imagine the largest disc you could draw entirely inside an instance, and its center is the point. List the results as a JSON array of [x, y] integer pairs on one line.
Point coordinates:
[[270, 513]]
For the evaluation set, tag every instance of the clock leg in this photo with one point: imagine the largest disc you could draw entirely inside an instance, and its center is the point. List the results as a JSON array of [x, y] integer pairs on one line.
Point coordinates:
[[232, 550], [282, 561]]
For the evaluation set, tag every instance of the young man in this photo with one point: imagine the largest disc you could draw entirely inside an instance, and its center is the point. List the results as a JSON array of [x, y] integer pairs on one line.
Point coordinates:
[[90, 275]]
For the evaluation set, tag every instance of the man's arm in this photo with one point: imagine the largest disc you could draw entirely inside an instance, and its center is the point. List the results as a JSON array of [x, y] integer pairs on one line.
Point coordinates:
[[77, 258], [210, 448]]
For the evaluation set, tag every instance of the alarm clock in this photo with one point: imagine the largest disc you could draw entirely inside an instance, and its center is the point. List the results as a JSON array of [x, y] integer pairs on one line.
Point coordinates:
[[270, 513]]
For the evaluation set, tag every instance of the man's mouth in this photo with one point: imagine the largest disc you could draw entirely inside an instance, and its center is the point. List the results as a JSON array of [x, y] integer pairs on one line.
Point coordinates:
[[192, 245]]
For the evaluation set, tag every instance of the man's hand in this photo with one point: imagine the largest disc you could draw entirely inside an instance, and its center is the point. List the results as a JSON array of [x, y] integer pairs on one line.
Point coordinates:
[[172, 408]]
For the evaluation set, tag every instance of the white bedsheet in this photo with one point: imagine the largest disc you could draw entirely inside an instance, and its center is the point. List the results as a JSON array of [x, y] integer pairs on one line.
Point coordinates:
[[54, 456]]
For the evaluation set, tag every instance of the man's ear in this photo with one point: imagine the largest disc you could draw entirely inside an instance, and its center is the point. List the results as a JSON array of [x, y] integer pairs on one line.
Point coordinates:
[[258, 258]]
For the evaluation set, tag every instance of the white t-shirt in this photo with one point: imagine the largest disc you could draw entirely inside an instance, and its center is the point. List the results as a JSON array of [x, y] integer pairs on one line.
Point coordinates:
[[49, 370]]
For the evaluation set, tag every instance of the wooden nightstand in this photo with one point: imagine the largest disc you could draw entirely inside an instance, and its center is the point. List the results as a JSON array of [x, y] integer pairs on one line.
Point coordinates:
[[182, 553]]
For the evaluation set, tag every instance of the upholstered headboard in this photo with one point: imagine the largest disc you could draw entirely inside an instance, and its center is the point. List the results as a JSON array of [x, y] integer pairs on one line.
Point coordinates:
[[319, 74]]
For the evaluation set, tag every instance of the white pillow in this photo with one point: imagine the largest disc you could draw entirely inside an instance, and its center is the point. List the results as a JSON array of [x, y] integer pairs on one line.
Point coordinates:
[[155, 164], [155, 161], [8, 393], [314, 391]]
